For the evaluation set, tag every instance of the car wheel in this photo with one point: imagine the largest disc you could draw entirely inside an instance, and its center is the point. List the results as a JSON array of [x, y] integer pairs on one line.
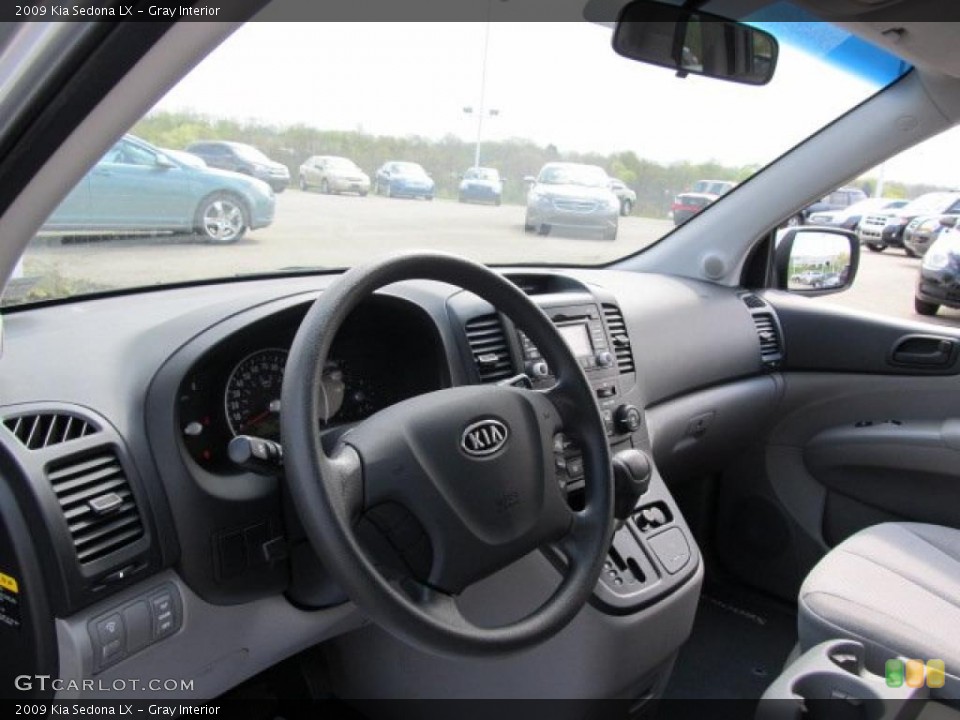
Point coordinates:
[[389, 190], [924, 308], [428, 198], [325, 187], [876, 247], [497, 202], [461, 198], [610, 234], [626, 207], [544, 229], [910, 252], [221, 219], [363, 193], [303, 183]]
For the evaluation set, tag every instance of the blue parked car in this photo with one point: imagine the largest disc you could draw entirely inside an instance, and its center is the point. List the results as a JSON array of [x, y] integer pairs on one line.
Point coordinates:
[[404, 179], [481, 184], [139, 188]]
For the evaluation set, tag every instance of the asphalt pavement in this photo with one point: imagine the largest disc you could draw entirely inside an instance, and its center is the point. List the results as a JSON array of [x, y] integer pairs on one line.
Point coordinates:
[[324, 231]]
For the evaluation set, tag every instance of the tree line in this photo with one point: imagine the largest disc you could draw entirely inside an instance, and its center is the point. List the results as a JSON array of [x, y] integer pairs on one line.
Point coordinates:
[[656, 184]]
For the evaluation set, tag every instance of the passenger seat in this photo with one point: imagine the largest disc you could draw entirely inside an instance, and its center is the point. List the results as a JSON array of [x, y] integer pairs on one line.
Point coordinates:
[[894, 587]]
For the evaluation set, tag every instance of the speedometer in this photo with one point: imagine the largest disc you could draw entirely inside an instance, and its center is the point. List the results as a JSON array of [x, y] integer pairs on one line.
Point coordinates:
[[252, 399]]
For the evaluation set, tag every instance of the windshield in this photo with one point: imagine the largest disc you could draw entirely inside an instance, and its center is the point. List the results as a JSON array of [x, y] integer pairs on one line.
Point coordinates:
[[340, 164], [932, 203], [250, 153], [415, 116], [481, 174], [589, 176]]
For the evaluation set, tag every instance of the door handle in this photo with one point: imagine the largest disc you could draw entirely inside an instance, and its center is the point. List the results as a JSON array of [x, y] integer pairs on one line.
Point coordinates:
[[924, 351]]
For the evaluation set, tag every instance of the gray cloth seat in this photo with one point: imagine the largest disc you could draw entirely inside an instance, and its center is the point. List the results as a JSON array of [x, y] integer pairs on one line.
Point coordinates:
[[895, 587]]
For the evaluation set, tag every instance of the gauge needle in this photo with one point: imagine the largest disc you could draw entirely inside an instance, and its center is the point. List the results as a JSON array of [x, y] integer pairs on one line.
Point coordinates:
[[273, 408]]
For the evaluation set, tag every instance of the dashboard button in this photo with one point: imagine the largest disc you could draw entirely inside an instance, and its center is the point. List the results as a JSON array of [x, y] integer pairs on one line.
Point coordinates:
[[628, 418]]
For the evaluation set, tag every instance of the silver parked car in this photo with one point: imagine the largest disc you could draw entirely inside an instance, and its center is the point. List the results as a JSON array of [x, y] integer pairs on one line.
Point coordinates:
[[627, 197], [572, 196], [333, 174]]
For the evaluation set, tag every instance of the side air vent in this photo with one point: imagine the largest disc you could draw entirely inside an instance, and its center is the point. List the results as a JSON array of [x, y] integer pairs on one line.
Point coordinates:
[[620, 339], [771, 350], [753, 302], [488, 344], [97, 504], [42, 430]]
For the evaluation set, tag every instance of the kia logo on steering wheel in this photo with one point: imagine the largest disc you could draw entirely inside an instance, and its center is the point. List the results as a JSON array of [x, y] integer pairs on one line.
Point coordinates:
[[484, 437]]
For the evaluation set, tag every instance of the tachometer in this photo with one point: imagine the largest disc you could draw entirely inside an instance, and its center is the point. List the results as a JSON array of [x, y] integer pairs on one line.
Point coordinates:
[[252, 399]]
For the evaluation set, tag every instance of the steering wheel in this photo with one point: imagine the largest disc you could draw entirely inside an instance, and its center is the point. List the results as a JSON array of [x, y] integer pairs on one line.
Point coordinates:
[[473, 465]]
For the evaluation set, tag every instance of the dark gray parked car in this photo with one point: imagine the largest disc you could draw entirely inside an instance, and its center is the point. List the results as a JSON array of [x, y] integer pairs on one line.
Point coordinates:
[[244, 159]]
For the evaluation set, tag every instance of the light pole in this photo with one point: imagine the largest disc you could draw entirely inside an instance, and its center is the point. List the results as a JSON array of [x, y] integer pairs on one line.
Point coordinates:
[[482, 111]]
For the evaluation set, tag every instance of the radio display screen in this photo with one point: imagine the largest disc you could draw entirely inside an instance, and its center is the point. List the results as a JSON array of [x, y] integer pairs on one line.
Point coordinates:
[[578, 338]]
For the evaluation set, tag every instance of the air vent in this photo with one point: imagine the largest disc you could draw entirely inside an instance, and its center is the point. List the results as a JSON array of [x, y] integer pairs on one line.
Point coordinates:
[[42, 430], [488, 343], [753, 302], [97, 504], [619, 337], [769, 334]]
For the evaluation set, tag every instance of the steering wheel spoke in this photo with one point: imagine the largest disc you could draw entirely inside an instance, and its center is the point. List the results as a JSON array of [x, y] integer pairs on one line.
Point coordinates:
[[342, 477], [438, 605]]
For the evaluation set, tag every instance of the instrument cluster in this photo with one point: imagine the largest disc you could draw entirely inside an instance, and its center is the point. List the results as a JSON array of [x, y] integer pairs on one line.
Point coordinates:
[[386, 352]]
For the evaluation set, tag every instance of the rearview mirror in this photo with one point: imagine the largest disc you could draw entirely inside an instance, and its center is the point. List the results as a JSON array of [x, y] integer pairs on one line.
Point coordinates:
[[164, 162], [694, 42], [816, 261]]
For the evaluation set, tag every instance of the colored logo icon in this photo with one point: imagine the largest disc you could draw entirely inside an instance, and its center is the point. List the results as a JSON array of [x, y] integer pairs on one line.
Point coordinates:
[[936, 673], [894, 673], [913, 673]]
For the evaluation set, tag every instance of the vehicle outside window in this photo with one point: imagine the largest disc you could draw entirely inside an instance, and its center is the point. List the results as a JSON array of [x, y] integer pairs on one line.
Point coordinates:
[[244, 159], [404, 179], [572, 197], [137, 188], [883, 230], [333, 175], [939, 281], [481, 184], [849, 217]]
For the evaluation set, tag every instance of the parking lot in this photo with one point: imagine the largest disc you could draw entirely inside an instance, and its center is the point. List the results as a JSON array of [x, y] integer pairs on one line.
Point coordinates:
[[314, 230]]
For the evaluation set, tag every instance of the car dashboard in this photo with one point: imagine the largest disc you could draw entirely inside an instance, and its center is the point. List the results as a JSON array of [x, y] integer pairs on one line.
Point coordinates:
[[124, 508]]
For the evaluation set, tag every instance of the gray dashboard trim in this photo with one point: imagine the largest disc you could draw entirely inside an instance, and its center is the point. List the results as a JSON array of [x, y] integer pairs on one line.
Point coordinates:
[[217, 647]]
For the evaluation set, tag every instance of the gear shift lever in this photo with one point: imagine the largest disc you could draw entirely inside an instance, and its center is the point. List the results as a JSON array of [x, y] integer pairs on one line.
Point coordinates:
[[631, 478]]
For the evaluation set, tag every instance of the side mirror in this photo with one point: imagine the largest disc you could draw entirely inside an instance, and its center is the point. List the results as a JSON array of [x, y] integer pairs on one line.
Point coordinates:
[[164, 162], [690, 41], [530, 180], [949, 221], [816, 261]]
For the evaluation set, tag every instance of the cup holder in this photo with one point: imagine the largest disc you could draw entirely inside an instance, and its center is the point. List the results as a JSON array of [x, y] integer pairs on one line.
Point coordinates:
[[831, 682]]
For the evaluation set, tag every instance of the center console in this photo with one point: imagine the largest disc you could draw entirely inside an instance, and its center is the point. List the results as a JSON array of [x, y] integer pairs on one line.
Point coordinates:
[[653, 552]]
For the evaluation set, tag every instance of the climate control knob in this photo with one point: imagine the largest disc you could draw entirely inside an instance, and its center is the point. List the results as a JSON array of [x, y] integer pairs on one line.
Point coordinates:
[[604, 359], [628, 418]]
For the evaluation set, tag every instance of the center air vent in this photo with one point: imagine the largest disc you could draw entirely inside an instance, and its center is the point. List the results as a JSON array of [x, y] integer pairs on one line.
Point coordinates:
[[97, 504], [771, 349], [488, 344], [619, 337], [41, 430], [754, 302]]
